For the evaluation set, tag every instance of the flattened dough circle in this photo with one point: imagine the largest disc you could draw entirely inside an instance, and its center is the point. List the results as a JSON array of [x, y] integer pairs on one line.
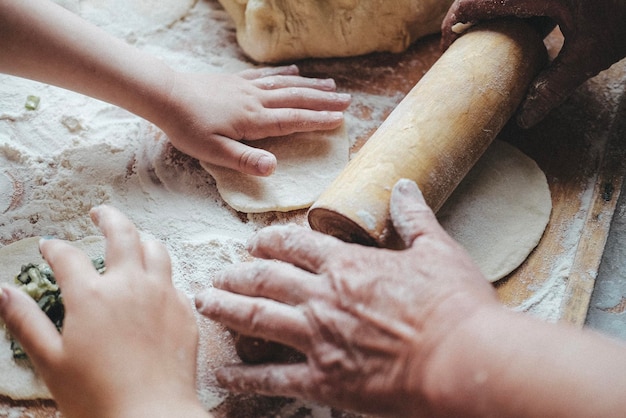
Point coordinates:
[[307, 163], [500, 210]]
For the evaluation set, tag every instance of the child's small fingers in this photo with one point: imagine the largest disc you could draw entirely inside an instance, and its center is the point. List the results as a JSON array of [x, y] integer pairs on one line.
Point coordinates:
[[255, 73], [306, 98], [123, 245], [156, 259], [67, 262], [285, 81], [30, 326]]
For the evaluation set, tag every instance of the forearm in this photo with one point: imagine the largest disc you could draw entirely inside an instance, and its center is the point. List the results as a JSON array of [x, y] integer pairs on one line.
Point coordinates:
[[503, 364], [42, 41]]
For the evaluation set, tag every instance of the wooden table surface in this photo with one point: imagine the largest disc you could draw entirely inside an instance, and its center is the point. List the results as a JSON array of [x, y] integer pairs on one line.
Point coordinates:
[[575, 147]]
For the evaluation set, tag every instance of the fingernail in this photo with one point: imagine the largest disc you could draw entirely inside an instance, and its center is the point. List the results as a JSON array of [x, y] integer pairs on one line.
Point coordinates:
[[251, 243], [200, 298], [338, 116], [217, 280], [223, 377], [327, 84], [408, 187], [404, 185], [94, 213], [460, 27], [266, 165], [330, 82], [43, 239]]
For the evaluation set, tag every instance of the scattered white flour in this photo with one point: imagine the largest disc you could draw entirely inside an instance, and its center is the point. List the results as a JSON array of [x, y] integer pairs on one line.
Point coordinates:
[[546, 302]]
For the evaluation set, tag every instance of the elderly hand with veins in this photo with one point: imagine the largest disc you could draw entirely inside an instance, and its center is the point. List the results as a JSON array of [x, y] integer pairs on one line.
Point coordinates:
[[411, 333], [595, 38], [368, 320], [129, 341]]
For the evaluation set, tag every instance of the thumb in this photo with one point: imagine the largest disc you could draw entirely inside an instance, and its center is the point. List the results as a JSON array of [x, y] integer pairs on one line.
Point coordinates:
[[29, 325], [410, 215]]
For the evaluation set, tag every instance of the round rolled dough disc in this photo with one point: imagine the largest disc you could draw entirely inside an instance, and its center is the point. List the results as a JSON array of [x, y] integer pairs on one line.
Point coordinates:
[[18, 380], [307, 163], [500, 210]]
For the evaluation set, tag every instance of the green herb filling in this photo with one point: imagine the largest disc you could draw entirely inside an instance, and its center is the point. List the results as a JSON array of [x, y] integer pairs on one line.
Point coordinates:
[[38, 281]]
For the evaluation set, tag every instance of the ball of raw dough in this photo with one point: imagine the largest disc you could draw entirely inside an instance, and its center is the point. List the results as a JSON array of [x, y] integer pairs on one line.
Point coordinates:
[[281, 30]]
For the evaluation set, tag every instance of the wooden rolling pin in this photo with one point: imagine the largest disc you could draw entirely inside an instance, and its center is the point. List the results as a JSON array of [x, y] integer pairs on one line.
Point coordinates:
[[436, 133]]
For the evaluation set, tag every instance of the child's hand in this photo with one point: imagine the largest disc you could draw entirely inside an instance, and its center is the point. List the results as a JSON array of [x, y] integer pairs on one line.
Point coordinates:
[[129, 340], [211, 113], [204, 115]]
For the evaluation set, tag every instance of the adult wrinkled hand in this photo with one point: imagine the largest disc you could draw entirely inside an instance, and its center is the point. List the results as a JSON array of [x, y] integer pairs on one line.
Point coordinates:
[[129, 340], [595, 38], [368, 320], [214, 112]]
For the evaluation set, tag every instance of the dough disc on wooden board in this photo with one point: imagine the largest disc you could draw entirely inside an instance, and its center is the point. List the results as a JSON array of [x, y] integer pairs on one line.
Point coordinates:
[[281, 30], [17, 378], [500, 210], [307, 163]]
